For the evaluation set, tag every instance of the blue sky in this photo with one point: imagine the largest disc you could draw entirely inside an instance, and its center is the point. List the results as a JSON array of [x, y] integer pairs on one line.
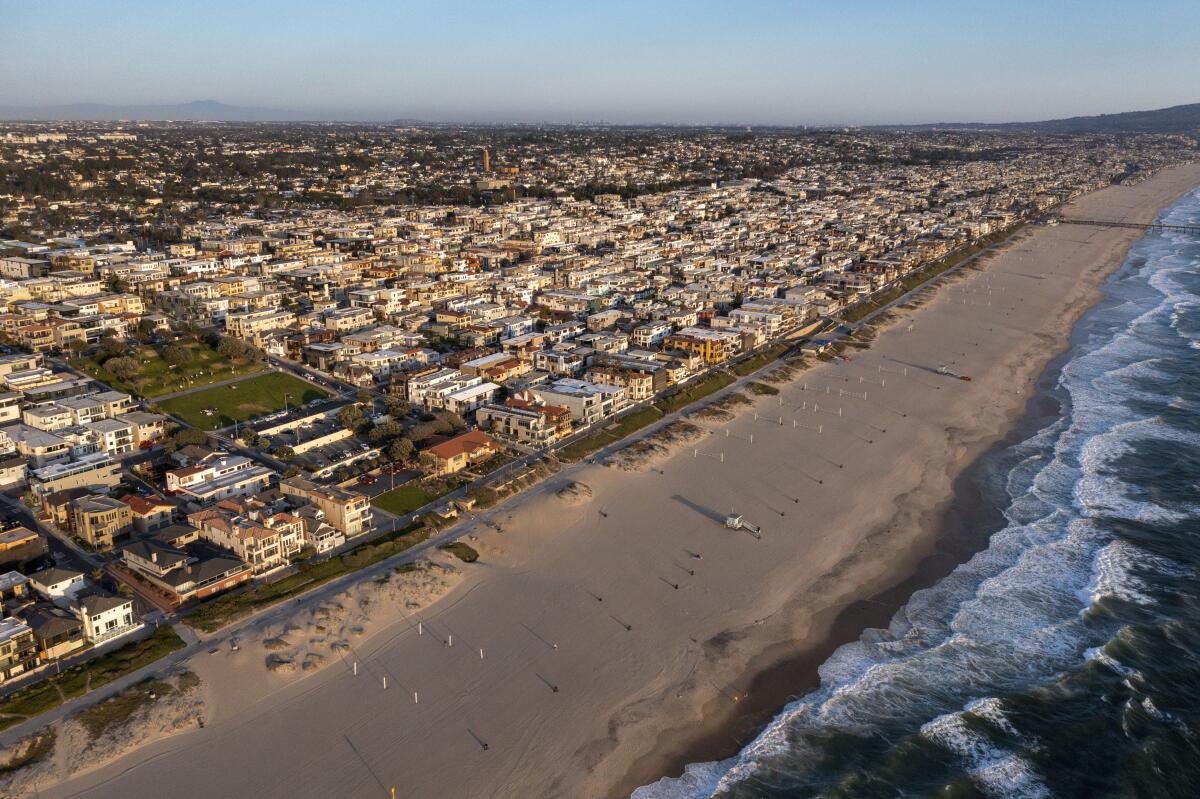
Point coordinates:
[[671, 61]]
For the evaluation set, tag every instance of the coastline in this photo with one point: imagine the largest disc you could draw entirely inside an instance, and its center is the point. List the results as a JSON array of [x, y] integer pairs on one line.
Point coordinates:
[[636, 691], [962, 525]]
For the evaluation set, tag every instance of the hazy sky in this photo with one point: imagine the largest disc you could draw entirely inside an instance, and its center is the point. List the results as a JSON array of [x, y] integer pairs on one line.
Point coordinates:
[[742, 61]]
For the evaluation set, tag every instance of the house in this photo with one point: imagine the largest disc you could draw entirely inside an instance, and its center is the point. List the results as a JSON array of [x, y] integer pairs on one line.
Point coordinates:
[[114, 437], [261, 537], [147, 427], [18, 648], [461, 451], [13, 471], [55, 583], [96, 469], [57, 632], [346, 511], [194, 572], [714, 346], [219, 476], [149, 514], [523, 425], [587, 402], [104, 616], [100, 520], [23, 549]]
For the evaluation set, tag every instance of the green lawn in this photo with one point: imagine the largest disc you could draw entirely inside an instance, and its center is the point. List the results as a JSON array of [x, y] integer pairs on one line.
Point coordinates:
[[406, 499], [159, 377], [238, 402]]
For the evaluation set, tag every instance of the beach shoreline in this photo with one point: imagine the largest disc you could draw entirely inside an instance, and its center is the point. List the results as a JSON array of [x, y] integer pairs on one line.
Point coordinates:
[[961, 526], [608, 651]]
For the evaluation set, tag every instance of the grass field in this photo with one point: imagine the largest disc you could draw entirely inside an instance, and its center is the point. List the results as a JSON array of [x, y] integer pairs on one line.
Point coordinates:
[[158, 377], [238, 402], [405, 499]]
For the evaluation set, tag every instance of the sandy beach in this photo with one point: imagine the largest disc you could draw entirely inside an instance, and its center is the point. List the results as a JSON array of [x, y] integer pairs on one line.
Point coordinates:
[[589, 651]]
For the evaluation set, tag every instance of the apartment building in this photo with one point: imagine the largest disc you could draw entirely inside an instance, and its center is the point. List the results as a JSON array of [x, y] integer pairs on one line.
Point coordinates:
[[18, 648], [347, 511], [714, 346], [587, 402], [96, 469], [100, 520], [517, 424], [219, 476]]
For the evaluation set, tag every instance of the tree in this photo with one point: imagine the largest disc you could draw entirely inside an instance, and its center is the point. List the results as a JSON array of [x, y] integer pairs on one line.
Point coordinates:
[[123, 367], [232, 348], [176, 354], [351, 417], [396, 407], [424, 430], [401, 450], [184, 436], [385, 432], [451, 421], [145, 328], [293, 471], [77, 345], [283, 452]]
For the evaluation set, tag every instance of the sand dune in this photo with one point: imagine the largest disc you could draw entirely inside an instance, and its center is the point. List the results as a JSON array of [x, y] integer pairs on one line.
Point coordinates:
[[590, 643]]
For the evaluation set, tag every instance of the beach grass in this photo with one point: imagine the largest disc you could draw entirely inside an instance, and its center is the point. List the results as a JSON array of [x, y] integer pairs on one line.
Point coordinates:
[[39, 746], [241, 401], [756, 362], [79, 679], [626, 425], [116, 710], [464, 552], [762, 389], [678, 400]]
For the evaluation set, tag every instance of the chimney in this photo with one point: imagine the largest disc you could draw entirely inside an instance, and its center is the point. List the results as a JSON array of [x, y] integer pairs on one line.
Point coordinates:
[[154, 557]]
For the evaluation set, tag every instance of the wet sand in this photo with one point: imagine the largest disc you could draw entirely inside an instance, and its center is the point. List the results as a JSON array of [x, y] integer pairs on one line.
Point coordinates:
[[608, 650]]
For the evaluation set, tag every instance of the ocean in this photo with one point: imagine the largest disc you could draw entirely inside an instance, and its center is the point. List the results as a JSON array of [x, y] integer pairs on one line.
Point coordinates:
[[1062, 660]]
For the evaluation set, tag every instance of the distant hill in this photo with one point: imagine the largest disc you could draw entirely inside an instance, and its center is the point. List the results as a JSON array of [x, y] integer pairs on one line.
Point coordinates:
[[201, 110], [1176, 119]]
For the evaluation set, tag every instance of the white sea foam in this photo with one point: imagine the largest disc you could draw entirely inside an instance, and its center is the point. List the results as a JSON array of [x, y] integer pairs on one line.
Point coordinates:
[[1011, 616], [997, 770]]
